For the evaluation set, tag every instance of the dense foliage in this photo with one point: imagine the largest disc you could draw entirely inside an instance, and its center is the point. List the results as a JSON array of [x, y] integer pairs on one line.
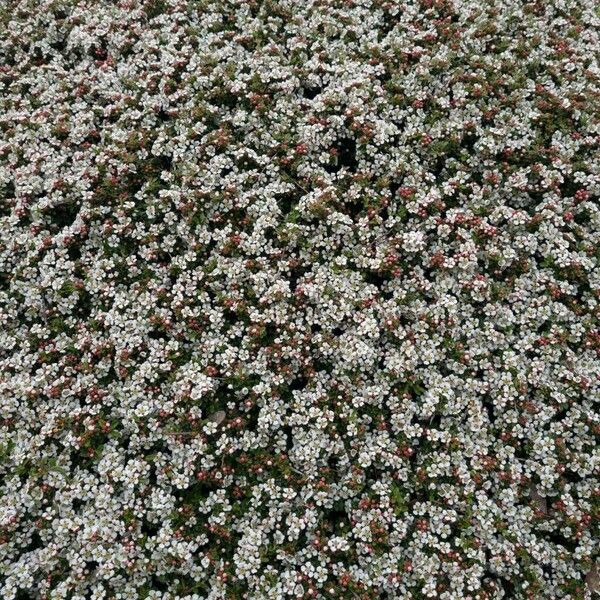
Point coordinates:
[[299, 298]]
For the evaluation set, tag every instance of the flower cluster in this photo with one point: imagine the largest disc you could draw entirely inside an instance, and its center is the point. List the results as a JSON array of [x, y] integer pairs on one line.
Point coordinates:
[[299, 299]]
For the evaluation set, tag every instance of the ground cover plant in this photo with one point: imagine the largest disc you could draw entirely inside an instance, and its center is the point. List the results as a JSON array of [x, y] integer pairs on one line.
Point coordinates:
[[299, 299]]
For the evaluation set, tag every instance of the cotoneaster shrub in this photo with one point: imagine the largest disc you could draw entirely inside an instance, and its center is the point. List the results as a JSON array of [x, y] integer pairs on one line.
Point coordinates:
[[299, 299]]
